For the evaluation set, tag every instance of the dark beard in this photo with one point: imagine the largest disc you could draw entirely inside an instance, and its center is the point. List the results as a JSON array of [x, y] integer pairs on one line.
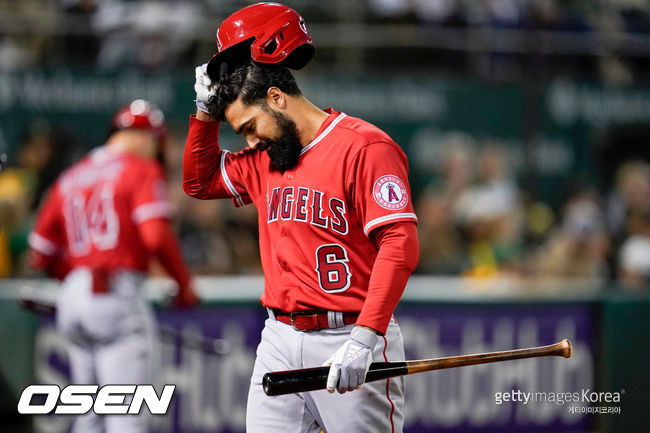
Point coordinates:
[[285, 150]]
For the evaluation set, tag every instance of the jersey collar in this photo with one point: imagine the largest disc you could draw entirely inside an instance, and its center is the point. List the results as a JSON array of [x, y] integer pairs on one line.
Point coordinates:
[[334, 118]]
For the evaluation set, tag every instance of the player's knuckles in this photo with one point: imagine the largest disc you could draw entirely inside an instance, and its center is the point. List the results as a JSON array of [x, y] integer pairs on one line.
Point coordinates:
[[354, 377], [357, 377], [361, 378], [200, 84], [201, 70], [348, 386]]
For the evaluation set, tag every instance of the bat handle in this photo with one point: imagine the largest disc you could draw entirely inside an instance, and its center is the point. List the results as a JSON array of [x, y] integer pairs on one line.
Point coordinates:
[[313, 379]]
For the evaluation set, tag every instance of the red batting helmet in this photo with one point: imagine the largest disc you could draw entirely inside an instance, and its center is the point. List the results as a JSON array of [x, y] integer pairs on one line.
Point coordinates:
[[141, 114], [271, 32]]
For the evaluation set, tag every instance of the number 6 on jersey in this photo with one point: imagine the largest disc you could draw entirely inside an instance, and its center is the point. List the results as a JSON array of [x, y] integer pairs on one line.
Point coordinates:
[[332, 268]]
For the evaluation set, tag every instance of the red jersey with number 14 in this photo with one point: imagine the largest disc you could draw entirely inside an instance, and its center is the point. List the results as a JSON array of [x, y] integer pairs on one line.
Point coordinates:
[[93, 211], [314, 219]]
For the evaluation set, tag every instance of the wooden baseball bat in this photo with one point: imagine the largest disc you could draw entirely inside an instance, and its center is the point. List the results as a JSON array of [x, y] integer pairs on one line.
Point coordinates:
[[312, 379]]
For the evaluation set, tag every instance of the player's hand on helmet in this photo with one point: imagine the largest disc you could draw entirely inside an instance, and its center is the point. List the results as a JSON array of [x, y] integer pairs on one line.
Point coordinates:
[[186, 297], [203, 87], [349, 364]]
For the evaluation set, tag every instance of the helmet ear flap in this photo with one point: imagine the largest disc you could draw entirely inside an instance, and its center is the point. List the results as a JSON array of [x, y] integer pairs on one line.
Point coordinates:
[[299, 58]]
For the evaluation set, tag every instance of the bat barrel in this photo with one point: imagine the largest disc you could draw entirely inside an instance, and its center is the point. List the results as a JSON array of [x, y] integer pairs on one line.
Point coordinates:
[[565, 348]]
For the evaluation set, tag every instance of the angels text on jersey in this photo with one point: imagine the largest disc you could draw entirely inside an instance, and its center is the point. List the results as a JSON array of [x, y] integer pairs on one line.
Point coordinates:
[[308, 206]]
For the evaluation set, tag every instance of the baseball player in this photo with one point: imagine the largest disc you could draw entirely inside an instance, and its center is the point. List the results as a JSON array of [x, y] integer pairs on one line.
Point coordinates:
[[102, 222], [337, 229]]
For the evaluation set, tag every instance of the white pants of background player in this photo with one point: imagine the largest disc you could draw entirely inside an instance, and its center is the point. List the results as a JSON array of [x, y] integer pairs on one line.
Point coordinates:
[[377, 407], [112, 339]]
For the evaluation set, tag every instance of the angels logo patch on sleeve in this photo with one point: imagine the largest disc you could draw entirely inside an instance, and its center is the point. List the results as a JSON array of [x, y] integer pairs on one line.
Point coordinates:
[[390, 193]]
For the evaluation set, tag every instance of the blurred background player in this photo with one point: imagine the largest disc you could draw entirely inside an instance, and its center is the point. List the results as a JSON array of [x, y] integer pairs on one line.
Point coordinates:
[[105, 218], [337, 245]]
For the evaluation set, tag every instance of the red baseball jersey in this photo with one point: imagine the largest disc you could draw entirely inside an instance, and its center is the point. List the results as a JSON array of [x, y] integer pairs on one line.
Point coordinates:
[[315, 218], [93, 210]]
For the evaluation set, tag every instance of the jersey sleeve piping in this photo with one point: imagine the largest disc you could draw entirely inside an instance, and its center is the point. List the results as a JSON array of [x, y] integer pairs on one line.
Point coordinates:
[[226, 179], [159, 209], [381, 220], [42, 244]]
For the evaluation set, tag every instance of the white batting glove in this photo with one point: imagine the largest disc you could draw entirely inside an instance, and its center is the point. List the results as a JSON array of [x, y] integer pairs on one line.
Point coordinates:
[[349, 364], [203, 87]]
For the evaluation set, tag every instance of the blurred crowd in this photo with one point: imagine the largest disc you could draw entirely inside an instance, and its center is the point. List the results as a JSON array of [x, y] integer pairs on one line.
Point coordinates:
[[475, 219], [602, 39], [517, 38], [103, 34]]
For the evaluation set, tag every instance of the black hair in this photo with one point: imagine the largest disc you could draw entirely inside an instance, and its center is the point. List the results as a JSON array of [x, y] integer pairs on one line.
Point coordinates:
[[252, 81]]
